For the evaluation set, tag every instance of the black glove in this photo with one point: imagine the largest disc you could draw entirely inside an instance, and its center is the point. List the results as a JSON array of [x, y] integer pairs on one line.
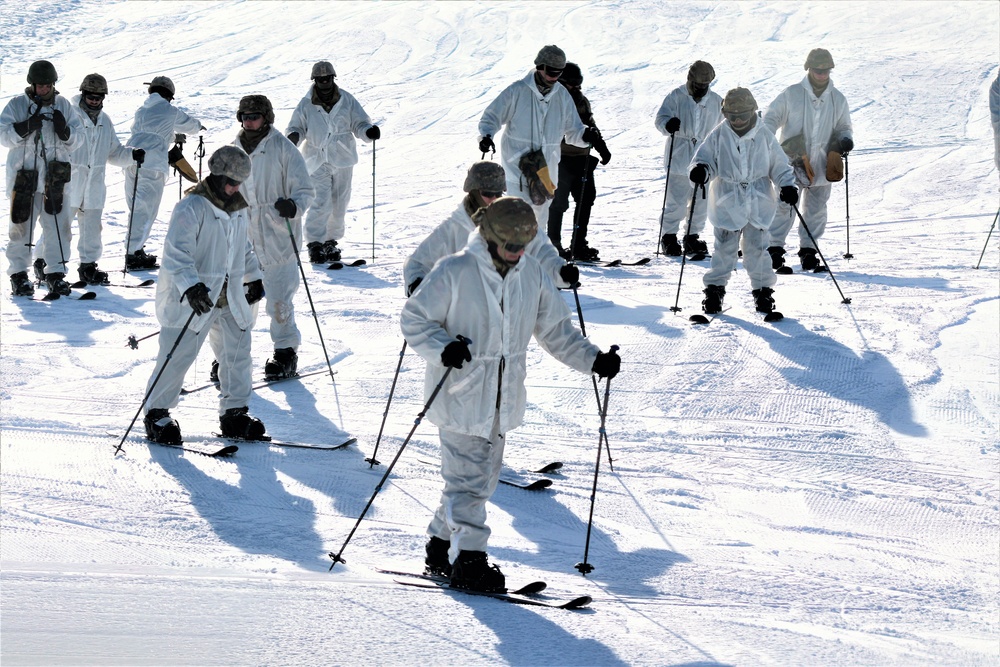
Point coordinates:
[[789, 194], [59, 123], [846, 144], [570, 274], [455, 353], [602, 150], [699, 174], [373, 133], [591, 135], [607, 364], [255, 291], [175, 154], [26, 127], [294, 138], [138, 155], [198, 299], [413, 286], [286, 208], [673, 125], [486, 144]]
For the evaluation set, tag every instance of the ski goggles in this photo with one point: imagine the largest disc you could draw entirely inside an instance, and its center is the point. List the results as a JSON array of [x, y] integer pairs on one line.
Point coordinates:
[[820, 70], [513, 248], [490, 195], [551, 71], [93, 97], [323, 80], [251, 116], [233, 183], [740, 118]]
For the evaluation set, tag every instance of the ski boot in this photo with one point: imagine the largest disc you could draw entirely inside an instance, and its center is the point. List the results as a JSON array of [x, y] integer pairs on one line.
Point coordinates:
[[714, 294], [331, 251], [764, 299], [236, 423], [213, 375], [316, 254], [436, 563], [670, 246], [57, 285], [809, 260], [695, 246], [90, 274], [282, 365], [471, 571], [140, 261], [161, 427], [777, 254], [20, 285], [586, 254], [39, 270]]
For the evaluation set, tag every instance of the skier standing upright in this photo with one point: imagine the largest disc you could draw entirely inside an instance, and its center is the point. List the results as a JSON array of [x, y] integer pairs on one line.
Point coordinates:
[[40, 130], [153, 128], [814, 121], [687, 115], [498, 297], [324, 125]]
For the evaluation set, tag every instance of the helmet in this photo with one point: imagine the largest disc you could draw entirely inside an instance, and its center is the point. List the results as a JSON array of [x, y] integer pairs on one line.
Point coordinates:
[[231, 162], [738, 100], [161, 82], [571, 76], [507, 220], [819, 59], [322, 68], [701, 72], [94, 83], [256, 104], [43, 72], [552, 56], [485, 176]]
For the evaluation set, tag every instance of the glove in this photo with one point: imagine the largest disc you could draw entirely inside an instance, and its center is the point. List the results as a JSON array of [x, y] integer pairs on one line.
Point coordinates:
[[455, 353], [138, 155], [699, 174], [486, 144], [602, 150], [673, 125], [198, 299], [413, 286], [26, 127], [570, 274], [789, 194], [286, 208], [255, 291], [607, 364], [846, 144], [294, 138], [373, 133], [175, 154], [591, 135], [59, 123]]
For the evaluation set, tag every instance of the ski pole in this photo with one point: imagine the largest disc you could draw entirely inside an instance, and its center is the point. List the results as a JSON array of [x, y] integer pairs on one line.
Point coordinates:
[[133, 342], [374, 141], [373, 461], [586, 568], [666, 185], [847, 208], [813, 239], [155, 380], [988, 238], [694, 197], [131, 214], [597, 394], [200, 153], [337, 556]]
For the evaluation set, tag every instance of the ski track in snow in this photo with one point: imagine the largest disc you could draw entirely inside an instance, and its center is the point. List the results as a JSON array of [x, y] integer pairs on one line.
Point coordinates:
[[823, 490]]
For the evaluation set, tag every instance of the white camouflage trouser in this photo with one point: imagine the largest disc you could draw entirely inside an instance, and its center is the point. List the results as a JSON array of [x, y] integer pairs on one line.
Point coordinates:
[[147, 197], [756, 259], [812, 206], [470, 466], [231, 347], [326, 217], [43, 226], [281, 281], [90, 246]]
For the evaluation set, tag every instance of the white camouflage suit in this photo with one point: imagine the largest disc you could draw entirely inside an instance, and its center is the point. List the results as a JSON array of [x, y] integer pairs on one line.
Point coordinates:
[[278, 171], [697, 120], [205, 244], [35, 151], [465, 295], [741, 198], [797, 111], [328, 144], [153, 129]]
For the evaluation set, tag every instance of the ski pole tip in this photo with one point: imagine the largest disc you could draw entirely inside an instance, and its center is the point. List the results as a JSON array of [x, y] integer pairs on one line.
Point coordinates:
[[133, 342], [584, 568]]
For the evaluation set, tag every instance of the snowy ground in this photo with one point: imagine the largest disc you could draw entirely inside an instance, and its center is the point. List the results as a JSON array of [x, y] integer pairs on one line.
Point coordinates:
[[823, 491]]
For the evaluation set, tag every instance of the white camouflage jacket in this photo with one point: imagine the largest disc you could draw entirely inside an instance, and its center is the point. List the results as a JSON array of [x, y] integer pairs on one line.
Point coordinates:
[[98, 146], [153, 129], [697, 120], [39, 148], [329, 138]]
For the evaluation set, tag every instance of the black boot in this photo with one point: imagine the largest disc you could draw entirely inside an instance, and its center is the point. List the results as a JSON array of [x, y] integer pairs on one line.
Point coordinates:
[[39, 269], [331, 251], [161, 427], [282, 365], [807, 256], [90, 274], [764, 299], [57, 285], [714, 294], [20, 285], [436, 562], [669, 245], [213, 375], [140, 261], [236, 423], [473, 572], [316, 254], [694, 245]]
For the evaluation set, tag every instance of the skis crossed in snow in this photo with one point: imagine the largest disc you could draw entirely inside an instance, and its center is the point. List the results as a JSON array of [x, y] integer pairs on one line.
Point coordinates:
[[525, 595]]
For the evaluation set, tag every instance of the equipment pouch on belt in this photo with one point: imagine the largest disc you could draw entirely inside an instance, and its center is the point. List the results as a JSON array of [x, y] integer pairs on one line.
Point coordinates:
[[795, 149], [56, 177], [834, 161], [25, 182], [535, 170]]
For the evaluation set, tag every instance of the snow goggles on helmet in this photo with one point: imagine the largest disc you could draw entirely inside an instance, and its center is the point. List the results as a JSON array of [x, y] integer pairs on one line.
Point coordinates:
[[93, 97], [232, 183], [251, 116], [323, 79], [490, 195], [513, 248], [820, 70], [551, 71], [740, 117]]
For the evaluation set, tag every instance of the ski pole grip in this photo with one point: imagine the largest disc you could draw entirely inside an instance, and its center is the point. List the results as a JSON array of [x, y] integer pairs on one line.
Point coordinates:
[[614, 348], [463, 339]]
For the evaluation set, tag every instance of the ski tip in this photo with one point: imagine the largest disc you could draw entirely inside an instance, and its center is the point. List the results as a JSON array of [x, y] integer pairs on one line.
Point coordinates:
[[552, 467], [79, 284], [774, 316], [577, 603], [88, 296], [698, 319], [336, 266], [644, 261], [358, 262], [146, 283], [784, 271], [51, 296], [533, 588], [539, 484]]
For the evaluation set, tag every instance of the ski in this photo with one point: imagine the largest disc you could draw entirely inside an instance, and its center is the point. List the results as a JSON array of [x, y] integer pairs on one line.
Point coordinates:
[[55, 296], [337, 266], [281, 443], [536, 485], [512, 597], [260, 385], [550, 467], [615, 263], [534, 588], [701, 319], [197, 446], [82, 284]]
